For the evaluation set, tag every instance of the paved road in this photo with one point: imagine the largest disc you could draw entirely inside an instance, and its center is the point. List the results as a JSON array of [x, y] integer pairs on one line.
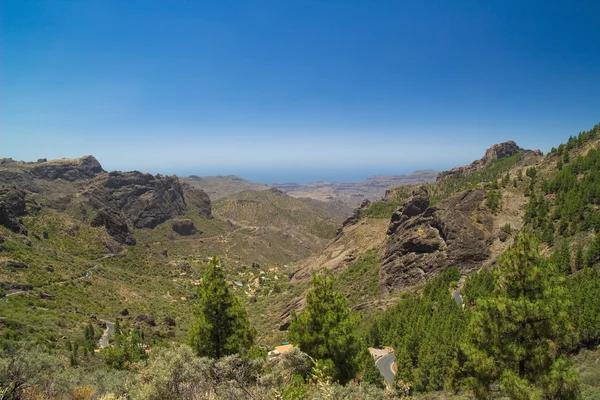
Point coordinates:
[[384, 364], [457, 298], [110, 330]]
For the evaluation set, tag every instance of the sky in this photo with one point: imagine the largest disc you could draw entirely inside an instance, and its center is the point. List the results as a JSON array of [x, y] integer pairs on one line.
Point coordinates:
[[283, 91]]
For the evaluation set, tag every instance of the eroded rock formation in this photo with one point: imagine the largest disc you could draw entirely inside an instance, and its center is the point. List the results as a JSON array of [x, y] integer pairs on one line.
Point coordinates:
[[423, 240]]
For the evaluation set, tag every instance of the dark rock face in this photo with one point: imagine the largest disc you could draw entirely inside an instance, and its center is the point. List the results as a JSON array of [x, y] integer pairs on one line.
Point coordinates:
[[199, 199], [143, 199], [354, 218], [20, 178], [12, 206], [70, 170], [115, 225], [423, 240], [417, 204], [184, 227]]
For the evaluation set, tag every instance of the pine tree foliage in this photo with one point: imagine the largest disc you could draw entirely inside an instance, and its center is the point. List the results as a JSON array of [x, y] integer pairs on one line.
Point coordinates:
[[425, 330], [222, 326], [325, 330], [584, 311], [128, 349], [516, 336]]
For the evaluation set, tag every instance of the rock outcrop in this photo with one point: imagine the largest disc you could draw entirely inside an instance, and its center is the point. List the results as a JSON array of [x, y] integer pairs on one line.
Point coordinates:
[[184, 227], [115, 224], [197, 198], [12, 206], [144, 200], [355, 217], [423, 240], [119, 201], [68, 169], [494, 153], [19, 178]]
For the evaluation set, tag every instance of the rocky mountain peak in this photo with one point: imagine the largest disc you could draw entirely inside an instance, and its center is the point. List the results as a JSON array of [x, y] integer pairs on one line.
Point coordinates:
[[500, 151], [86, 167], [494, 153]]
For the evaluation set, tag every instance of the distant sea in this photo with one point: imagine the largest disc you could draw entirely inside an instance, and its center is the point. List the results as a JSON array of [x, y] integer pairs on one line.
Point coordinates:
[[306, 175]]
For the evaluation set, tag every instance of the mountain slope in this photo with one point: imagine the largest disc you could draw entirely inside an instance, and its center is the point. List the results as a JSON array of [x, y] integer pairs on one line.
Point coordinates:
[[219, 186], [281, 217], [78, 244], [416, 231]]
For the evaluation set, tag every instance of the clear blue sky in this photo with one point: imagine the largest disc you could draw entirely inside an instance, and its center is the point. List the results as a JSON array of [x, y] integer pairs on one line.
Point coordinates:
[[293, 90]]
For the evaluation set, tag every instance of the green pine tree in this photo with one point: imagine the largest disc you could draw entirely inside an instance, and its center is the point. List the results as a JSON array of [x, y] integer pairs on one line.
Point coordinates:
[[325, 329], [222, 326], [562, 257], [514, 337], [128, 349], [371, 373], [579, 257], [404, 366]]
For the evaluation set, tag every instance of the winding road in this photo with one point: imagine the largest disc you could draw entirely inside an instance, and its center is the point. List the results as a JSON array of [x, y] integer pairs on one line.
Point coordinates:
[[457, 298], [110, 327], [88, 274], [110, 330], [384, 364]]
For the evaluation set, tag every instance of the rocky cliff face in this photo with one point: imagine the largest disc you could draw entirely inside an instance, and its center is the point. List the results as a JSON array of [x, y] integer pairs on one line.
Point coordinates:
[[68, 169], [12, 206], [422, 240], [197, 198], [133, 198], [120, 201]]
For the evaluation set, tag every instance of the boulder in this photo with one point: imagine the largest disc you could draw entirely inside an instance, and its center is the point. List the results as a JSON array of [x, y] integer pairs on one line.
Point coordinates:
[[147, 318], [50, 268], [169, 321], [184, 227]]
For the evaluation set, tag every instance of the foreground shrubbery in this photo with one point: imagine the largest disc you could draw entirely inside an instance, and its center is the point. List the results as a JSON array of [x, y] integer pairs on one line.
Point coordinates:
[[174, 372]]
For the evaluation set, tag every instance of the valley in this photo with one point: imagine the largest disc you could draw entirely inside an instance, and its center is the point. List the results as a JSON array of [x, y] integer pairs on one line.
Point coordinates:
[[82, 247]]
